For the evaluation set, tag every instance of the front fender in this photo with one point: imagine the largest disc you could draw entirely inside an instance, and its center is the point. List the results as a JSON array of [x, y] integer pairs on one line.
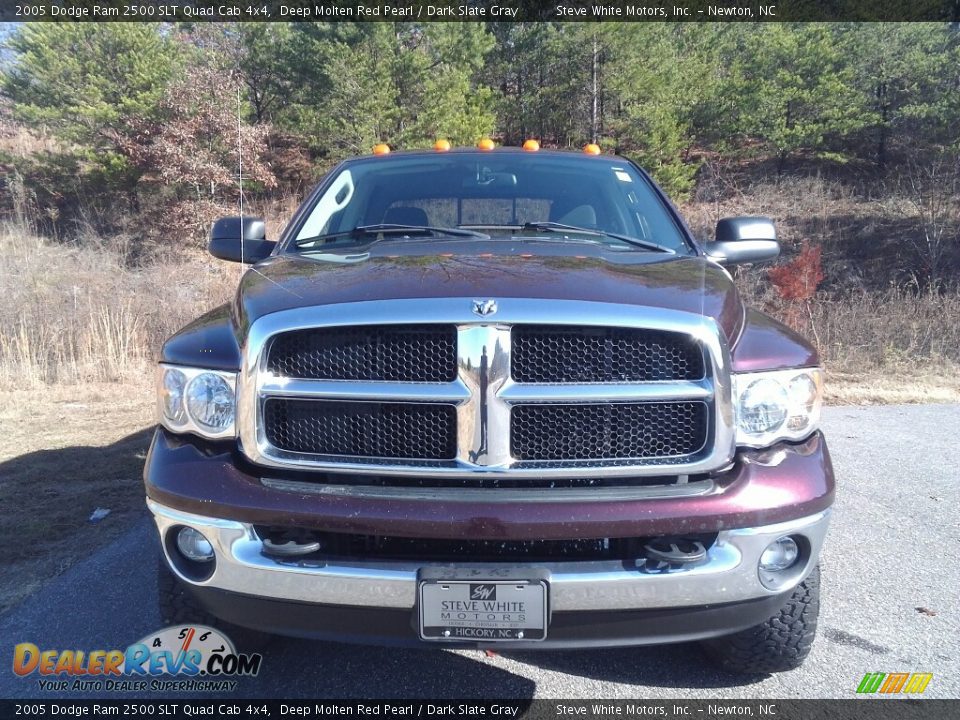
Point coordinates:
[[211, 341], [766, 344]]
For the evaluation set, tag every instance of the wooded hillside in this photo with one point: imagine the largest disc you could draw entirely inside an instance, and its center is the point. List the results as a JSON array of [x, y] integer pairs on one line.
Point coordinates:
[[123, 139], [140, 117]]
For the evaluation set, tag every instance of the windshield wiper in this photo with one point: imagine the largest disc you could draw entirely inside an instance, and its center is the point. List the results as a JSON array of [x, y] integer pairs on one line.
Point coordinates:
[[547, 226], [390, 229]]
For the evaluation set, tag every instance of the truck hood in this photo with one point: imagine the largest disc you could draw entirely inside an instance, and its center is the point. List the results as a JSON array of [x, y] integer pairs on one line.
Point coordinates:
[[494, 269]]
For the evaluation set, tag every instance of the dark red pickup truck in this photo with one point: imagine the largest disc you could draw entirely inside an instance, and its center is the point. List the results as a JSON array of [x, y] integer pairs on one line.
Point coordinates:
[[482, 398]]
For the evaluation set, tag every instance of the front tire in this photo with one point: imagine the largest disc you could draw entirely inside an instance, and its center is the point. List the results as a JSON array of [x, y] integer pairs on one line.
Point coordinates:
[[781, 643]]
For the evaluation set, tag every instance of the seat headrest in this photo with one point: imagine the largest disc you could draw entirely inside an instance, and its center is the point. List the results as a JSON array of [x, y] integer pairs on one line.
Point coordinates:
[[581, 216], [405, 215]]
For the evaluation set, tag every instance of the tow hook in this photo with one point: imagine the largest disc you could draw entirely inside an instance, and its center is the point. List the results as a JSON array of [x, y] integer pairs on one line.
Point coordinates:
[[671, 553], [290, 543]]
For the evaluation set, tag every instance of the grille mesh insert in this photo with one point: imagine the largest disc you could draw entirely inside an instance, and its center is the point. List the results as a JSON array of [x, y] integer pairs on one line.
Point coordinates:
[[403, 353], [362, 429], [551, 354], [608, 431]]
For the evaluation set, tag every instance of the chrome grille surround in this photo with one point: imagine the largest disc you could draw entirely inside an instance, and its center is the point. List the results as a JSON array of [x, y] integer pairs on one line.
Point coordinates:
[[483, 391]]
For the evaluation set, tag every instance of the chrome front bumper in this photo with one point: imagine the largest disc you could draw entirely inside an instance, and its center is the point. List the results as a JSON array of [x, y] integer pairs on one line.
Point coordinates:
[[730, 573]]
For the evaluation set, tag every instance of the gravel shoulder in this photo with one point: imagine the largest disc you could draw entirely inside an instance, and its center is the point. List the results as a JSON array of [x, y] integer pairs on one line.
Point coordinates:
[[65, 451]]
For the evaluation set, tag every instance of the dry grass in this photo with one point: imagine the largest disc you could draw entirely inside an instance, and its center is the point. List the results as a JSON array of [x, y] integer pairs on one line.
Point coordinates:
[[881, 337], [66, 450], [873, 234], [897, 346], [803, 207], [900, 328], [897, 332], [893, 388], [892, 347], [20, 143], [77, 313], [81, 331]]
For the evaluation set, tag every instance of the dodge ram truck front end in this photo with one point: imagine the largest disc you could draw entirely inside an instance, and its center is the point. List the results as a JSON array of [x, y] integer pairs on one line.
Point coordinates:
[[482, 398]]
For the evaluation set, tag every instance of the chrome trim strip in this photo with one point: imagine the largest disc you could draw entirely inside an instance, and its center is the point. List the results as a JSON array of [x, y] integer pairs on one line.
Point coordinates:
[[455, 392], [729, 574], [483, 390], [496, 495], [525, 393]]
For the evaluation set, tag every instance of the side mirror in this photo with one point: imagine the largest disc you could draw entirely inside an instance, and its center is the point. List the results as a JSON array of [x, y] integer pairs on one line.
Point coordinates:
[[240, 240], [744, 240]]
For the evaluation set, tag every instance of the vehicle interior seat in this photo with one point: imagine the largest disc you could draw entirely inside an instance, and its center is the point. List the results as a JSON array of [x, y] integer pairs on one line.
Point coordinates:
[[581, 216], [405, 215]]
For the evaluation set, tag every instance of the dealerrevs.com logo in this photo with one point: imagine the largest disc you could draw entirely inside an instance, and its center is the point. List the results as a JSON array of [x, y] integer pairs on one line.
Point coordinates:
[[185, 658]]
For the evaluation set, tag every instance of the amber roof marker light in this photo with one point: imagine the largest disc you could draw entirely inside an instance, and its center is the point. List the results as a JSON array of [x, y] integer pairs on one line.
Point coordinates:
[[591, 149], [486, 144], [441, 145], [381, 149], [531, 145]]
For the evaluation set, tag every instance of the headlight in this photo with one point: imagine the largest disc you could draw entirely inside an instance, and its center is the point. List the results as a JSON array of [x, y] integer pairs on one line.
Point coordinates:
[[199, 401], [172, 384], [210, 402], [777, 405]]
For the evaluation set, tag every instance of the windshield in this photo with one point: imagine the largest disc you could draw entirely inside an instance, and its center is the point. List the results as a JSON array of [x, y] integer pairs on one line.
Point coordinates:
[[548, 197]]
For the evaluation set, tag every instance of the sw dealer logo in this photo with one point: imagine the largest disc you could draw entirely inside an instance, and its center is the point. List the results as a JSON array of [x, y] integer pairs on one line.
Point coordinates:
[[483, 592], [204, 656]]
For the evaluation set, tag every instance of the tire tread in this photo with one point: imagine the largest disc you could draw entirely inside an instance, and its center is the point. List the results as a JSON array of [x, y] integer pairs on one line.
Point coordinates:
[[781, 643]]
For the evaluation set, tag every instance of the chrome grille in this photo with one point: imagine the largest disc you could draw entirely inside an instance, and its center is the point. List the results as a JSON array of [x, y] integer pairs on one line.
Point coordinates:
[[361, 429], [608, 431], [552, 354], [648, 396], [403, 353]]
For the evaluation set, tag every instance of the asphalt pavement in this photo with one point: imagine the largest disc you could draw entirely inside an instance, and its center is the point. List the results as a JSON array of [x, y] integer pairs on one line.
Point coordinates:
[[891, 601]]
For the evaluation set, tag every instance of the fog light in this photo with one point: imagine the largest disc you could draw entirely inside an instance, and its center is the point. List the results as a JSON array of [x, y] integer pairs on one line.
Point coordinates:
[[780, 555], [194, 545]]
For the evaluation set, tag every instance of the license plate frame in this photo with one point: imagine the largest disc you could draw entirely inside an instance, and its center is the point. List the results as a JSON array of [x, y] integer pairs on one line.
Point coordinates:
[[471, 621]]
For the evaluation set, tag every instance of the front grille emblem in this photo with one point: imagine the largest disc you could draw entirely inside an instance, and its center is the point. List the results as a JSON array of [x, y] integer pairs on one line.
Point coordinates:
[[483, 308]]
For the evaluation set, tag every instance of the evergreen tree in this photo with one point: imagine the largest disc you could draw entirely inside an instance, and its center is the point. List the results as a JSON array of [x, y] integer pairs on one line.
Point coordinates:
[[87, 83], [792, 87], [401, 83], [908, 79]]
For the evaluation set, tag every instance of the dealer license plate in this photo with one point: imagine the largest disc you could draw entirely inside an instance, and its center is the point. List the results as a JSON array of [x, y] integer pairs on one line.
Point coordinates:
[[472, 610]]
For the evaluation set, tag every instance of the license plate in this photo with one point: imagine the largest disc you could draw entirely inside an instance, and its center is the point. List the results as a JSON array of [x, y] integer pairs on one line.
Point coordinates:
[[483, 611]]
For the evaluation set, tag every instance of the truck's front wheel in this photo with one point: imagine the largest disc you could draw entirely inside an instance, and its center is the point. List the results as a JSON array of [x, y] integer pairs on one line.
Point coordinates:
[[781, 643]]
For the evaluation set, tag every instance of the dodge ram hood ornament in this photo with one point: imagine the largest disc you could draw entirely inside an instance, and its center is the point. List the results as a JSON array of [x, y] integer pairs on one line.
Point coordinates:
[[484, 308]]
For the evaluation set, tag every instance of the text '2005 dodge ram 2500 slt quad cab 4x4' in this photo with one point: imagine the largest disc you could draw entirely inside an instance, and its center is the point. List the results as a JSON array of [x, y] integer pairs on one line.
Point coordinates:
[[494, 397]]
